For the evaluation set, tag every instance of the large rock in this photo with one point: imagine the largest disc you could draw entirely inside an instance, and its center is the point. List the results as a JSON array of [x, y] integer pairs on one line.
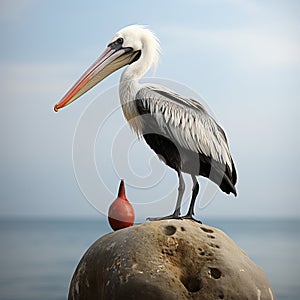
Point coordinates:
[[172, 259]]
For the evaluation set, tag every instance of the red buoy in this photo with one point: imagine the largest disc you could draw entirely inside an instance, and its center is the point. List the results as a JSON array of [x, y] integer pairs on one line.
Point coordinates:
[[121, 212]]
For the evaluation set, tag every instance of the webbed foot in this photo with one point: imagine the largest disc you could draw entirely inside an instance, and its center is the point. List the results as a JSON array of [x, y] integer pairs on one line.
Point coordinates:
[[190, 217], [170, 217]]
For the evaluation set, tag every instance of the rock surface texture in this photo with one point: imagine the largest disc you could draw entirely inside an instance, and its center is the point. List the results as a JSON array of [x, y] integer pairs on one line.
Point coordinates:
[[166, 260]]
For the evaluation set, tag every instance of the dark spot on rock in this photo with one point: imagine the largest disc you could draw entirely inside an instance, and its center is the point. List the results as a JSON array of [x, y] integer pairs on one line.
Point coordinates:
[[206, 230], [204, 253], [215, 273], [170, 230], [182, 228], [167, 251], [210, 236], [221, 296], [214, 245], [201, 251], [192, 284]]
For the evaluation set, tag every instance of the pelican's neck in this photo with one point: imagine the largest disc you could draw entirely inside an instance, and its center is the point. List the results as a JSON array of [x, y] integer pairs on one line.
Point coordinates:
[[129, 82], [128, 88]]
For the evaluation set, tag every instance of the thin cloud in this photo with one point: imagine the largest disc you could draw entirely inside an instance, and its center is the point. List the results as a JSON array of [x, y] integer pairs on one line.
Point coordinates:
[[28, 79], [11, 11], [253, 47]]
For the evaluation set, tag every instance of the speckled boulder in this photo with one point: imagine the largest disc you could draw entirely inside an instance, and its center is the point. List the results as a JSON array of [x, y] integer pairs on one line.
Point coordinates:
[[168, 260]]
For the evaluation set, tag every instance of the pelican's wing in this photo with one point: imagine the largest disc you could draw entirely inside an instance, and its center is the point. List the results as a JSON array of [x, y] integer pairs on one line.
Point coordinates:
[[184, 121]]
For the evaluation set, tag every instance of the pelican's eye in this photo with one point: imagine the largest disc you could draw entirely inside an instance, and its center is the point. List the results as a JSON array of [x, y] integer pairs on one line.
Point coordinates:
[[117, 44], [120, 40]]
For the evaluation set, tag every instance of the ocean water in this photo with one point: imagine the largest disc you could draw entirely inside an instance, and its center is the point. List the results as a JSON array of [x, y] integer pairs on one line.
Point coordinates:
[[38, 258]]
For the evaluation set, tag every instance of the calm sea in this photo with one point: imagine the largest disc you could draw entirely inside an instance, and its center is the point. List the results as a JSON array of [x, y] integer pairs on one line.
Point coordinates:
[[38, 258]]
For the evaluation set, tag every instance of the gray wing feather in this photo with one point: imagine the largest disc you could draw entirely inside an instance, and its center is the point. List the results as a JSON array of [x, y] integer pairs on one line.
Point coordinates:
[[186, 121]]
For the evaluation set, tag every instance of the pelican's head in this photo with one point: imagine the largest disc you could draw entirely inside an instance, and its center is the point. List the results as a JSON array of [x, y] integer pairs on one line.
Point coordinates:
[[133, 45]]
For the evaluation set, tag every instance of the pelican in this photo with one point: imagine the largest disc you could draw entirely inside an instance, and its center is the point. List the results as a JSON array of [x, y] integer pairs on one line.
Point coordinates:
[[179, 129]]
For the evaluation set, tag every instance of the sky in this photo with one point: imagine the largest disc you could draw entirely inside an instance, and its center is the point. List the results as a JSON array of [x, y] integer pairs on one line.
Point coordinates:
[[240, 57]]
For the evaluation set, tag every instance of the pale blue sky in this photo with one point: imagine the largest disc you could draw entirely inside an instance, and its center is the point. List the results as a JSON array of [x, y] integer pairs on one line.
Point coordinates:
[[241, 56]]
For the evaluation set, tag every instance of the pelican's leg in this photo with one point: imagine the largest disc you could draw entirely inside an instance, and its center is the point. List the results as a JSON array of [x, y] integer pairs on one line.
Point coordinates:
[[181, 188], [176, 214], [190, 213]]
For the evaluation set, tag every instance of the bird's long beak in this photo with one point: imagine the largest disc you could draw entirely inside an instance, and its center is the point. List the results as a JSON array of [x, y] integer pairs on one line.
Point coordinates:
[[112, 59]]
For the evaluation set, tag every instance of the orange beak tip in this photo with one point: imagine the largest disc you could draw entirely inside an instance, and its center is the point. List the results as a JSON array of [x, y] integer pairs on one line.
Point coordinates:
[[55, 108]]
